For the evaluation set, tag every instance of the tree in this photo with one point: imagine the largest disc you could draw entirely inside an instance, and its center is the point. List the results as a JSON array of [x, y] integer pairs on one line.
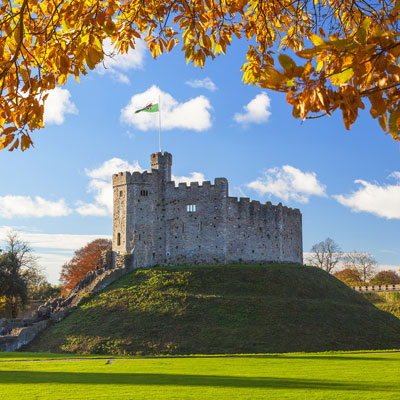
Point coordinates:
[[13, 286], [325, 255], [349, 276], [19, 272], [85, 260], [44, 291], [385, 278], [364, 263], [349, 50]]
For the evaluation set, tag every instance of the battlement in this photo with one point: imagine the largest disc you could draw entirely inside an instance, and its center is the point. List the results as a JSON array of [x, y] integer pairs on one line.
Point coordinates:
[[126, 178], [220, 186], [244, 203]]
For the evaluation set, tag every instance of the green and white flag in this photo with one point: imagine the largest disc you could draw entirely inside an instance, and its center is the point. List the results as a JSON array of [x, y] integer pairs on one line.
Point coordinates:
[[149, 108]]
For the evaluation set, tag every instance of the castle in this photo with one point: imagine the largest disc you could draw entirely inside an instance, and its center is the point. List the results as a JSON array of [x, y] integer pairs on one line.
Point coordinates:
[[157, 222]]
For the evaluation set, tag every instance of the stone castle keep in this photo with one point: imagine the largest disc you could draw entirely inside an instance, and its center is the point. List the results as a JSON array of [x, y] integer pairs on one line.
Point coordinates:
[[156, 222]]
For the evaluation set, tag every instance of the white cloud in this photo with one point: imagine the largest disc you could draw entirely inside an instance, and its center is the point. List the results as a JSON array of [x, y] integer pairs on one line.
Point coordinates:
[[205, 83], [193, 177], [289, 183], [193, 114], [57, 105], [257, 111], [56, 241], [26, 207], [112, 166], [395, 175], [116, 64], [381, 200], [386, 267], [53, 249], [52, 263], [100, 185]]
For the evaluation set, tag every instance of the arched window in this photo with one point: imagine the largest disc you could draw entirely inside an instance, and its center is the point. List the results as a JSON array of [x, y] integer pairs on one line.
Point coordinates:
[[118, 239]]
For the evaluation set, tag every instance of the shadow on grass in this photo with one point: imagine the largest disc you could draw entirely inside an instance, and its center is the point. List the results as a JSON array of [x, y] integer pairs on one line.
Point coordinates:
[[10, 357], [66, 378]]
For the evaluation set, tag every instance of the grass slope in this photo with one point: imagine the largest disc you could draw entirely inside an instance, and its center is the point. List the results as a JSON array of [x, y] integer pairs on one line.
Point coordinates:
[[389, 302], [288, 376], [222, 310]]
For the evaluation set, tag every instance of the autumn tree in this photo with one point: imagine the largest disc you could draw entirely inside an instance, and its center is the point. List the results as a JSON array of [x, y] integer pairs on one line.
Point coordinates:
[[325, 255], [84, 260], [332, 54], [349, 276], [364, 263], [385, 278]]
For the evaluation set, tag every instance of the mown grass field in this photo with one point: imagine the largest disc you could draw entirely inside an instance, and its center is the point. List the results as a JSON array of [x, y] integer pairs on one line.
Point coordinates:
[[283, 376]]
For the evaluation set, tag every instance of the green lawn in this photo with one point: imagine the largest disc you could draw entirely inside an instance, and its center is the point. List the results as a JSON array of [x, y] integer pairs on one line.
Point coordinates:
[[288, 376]]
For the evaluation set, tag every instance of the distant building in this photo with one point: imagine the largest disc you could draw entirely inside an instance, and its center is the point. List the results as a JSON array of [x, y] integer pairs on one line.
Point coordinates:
[[157, 222]]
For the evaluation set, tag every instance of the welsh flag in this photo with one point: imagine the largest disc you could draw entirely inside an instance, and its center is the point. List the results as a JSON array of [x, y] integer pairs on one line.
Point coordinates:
[[149, 108]]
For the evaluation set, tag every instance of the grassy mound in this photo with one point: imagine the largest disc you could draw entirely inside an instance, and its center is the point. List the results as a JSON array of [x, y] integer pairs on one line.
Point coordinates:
[[223, 309]]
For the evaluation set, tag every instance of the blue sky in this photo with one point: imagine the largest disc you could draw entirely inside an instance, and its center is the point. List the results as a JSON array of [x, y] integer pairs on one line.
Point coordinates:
[[58, 194]]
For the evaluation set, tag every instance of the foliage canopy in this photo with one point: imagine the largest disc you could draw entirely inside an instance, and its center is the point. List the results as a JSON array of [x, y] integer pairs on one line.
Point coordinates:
[[85, 260], [349, 50], [386, 278]]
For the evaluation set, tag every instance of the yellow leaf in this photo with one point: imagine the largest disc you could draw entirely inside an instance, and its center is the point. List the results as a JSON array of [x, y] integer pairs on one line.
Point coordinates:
[[6, 141], [394, 123], [94, 55], [89, 63], [316, 40], [383, 122], [286, 62], [342, 77], [290, 82], [14, 146], [25, 142], [367, 21], [273, 77], [361, 35], [8, 131], [64, 64], [97, 43], [310, 53], [170, 45]]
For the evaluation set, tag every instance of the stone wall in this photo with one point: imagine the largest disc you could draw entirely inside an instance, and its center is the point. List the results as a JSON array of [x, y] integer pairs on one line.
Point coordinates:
[[259, 232], [21, 336], [377, 288]]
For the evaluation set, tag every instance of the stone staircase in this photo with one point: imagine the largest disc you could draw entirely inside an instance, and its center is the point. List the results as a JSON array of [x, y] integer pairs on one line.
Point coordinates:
[[25, 330]]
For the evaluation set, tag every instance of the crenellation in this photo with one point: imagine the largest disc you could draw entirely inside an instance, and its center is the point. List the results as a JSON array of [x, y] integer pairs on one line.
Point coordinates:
[[136, 177], [158, 222]]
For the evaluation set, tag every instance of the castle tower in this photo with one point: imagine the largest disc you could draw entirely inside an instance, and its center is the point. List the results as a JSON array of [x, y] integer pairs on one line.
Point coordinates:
[[162, 163]]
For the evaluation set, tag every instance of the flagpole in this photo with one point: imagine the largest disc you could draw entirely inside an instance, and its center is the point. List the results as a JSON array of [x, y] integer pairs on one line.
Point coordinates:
[[159, 122]]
